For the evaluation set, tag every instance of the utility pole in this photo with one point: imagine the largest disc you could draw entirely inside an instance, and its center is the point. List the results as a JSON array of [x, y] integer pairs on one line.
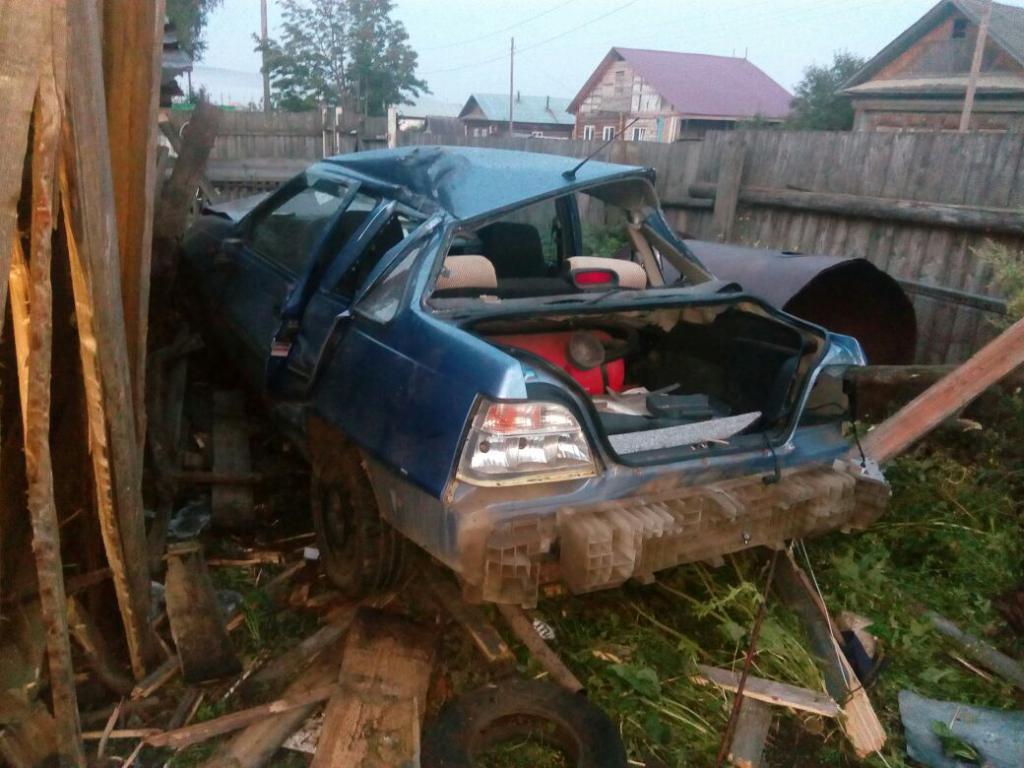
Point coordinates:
[[263, 42], [972, 82], [511, 83]]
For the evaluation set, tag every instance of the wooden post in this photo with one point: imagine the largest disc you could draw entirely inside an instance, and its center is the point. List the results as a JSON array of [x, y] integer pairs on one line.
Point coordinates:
[[88, 181], [728, 194], [41, 504], [132, 50], [751, 735], [263, 56], [392, 127], [937, 403], [972, 82]]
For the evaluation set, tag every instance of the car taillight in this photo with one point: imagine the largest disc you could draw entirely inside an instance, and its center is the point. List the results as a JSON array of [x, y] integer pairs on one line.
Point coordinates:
[[517, 443]]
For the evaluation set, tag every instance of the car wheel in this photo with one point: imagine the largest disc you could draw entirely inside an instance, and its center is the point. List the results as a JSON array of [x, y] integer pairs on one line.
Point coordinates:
[[360, 553], [514, 709]]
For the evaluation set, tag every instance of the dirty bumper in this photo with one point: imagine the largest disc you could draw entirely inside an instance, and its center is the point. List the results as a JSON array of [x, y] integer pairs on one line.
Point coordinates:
[[602, 545]]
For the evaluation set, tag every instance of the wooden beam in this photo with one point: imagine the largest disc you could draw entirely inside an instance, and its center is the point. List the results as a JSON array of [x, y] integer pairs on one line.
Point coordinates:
[[132, 52], [41, 502], [976, 218], [91, 204], [768, 691], [197, 625], [751, 735], [374, 720], [100, 453], [730, 175], [972, 81], [921, 415]]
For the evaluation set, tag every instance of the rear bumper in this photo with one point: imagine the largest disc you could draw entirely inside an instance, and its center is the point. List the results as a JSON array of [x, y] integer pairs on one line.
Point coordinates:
[[603, 545], [505, 558]]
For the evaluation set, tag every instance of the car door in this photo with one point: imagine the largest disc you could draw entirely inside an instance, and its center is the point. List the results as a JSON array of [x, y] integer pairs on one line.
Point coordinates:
[[316, 312], [275, 245]]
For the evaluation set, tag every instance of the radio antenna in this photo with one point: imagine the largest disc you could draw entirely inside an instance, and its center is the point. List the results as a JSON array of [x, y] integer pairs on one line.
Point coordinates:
[[571, 174]]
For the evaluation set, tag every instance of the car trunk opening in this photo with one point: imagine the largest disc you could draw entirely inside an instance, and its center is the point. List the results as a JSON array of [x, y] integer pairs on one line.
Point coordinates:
[[670, 380]]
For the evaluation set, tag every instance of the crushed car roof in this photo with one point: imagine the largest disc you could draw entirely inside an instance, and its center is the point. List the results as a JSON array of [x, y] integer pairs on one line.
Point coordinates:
[[469, 182]]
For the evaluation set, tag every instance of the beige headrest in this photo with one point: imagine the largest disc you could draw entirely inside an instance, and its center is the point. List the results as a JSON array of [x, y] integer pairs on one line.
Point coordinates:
[[630, 275], [467, 272]]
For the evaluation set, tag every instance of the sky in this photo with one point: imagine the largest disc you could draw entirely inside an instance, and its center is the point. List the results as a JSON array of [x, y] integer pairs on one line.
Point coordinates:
[[463, 44]]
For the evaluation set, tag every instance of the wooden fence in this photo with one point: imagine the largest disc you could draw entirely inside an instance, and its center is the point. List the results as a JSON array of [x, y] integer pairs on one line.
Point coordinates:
[[918, 205], [256, 151]]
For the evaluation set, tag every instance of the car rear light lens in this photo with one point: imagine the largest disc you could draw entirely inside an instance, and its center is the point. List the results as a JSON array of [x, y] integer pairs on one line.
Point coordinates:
[[517, 443]]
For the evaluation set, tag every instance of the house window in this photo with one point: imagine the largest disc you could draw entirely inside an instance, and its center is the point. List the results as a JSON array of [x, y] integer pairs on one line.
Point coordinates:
[[607, 132], [959, 29], [638, 133], [588, 132], [620, 83]]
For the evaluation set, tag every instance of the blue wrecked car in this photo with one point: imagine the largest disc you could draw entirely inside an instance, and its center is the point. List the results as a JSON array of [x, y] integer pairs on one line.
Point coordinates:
[[529, 400]]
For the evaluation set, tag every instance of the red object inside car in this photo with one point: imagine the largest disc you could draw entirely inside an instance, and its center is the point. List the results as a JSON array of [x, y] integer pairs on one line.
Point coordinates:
[[553, 347]]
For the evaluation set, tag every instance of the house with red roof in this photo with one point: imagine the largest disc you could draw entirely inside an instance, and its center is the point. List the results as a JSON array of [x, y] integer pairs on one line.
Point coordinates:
[[674, 96]]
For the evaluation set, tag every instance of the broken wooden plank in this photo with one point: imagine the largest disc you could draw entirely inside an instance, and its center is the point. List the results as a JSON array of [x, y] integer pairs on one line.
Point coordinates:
[[255, 746], [483, 634], [38, 465], [523, 629], [770, 692], [859, 720], [374, 719], [286, 667], [193, 734], [232, 505], [87, 179], [751, 734], [132, 52], [197, 625], [928, 410]]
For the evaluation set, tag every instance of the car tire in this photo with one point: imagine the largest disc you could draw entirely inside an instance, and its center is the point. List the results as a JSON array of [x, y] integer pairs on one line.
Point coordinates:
[[359, 552], [515, 708]]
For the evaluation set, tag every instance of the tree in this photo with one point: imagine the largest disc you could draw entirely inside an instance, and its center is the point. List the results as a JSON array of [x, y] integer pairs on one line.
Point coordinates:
[[820, 103], [189, 18], [346, 52]]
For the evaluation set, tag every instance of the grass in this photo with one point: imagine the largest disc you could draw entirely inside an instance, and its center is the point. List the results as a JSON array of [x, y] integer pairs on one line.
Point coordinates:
[[951, 541]]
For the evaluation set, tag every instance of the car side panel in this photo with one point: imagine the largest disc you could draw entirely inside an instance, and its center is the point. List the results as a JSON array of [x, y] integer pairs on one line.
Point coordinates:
[[404, 390]]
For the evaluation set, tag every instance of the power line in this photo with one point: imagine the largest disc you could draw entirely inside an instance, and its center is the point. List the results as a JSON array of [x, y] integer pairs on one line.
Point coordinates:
[[499, 31], [503, 56]]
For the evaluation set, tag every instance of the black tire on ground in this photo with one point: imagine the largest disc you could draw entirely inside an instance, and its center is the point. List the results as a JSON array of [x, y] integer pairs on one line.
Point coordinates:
[[513, 709], [360, 553]]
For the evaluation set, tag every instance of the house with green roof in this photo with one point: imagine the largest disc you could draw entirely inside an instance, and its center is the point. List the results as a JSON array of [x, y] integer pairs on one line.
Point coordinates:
[[487, 114]]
